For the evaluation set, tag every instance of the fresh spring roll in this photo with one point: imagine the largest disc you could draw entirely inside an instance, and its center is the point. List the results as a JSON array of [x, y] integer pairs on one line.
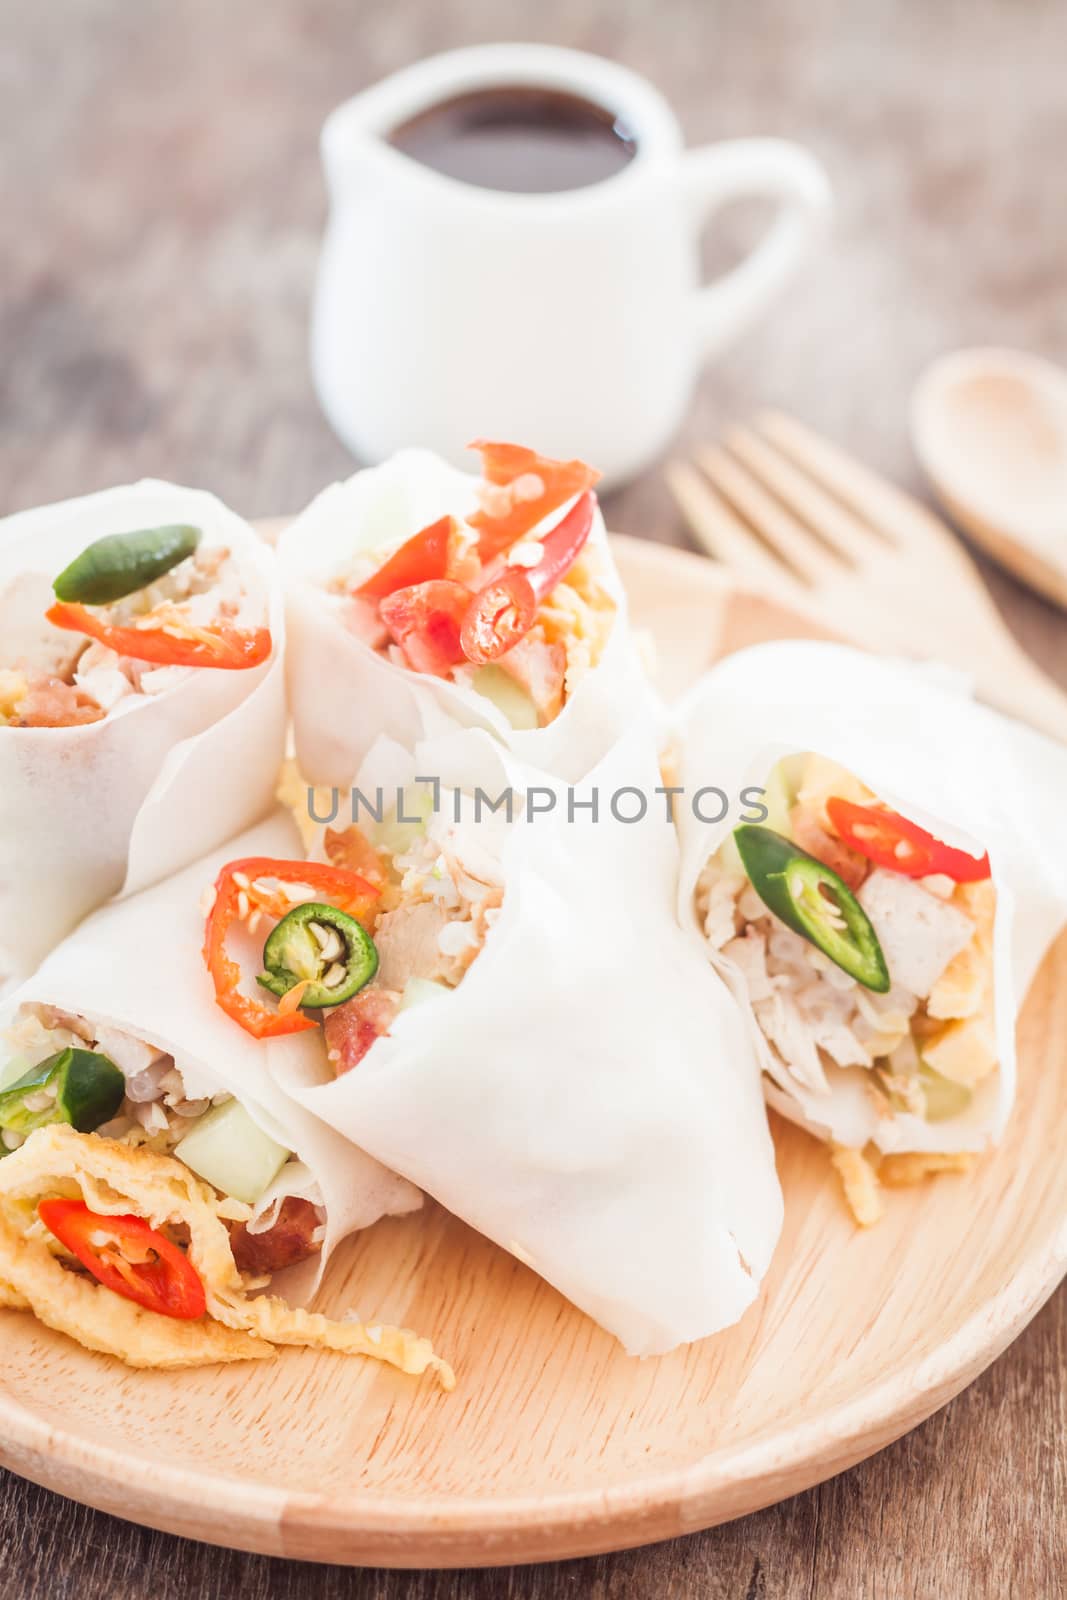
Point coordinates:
[[142, 700], [497, 597], [866, 921], [129, 1103], [519, 1026]]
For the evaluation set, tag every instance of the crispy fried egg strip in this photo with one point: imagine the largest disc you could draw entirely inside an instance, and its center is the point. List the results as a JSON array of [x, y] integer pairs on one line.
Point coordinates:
[[114, 1180]]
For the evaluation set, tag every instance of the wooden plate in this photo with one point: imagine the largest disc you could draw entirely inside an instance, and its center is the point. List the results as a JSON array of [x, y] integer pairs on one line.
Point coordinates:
[[555, 1443]]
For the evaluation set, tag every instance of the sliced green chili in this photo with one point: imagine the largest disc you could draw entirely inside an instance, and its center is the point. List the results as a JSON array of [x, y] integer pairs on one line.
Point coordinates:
[[814, 902], [326, 949], [121, 563], [79, 1087]]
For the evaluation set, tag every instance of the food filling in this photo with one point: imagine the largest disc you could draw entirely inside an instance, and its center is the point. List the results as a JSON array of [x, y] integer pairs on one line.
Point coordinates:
[[866, 949], [63, 1069], [393, 918], [495, 603], [130, 616], [123, 1194]]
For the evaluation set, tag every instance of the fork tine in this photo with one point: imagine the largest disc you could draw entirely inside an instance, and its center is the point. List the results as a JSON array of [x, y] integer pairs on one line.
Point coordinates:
[[852, 538], [798, 547], [723, 535], [895, 515]]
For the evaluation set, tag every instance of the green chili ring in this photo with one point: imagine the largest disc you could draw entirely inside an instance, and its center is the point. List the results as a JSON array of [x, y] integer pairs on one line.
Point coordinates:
[[322, 947], [814, 902], [121, 563], [81, 1088]]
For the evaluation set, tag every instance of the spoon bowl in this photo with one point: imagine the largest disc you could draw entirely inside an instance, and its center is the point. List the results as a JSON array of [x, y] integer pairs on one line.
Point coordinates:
[[989, 427]]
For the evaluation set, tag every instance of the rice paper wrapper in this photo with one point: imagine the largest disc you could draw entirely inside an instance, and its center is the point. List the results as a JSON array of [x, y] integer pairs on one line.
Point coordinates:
[[344, 695], [973, 778], [588, 1096], [136, 965], [89, 812]]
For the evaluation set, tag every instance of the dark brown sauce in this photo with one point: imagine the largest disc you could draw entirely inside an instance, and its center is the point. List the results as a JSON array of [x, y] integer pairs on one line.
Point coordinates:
[[518, 138]]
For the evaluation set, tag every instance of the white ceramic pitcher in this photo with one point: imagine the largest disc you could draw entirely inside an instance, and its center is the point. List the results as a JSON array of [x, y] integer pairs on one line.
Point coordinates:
[[575, 322]]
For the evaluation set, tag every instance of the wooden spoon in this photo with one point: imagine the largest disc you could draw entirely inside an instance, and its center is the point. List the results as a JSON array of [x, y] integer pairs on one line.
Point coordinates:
[[990, 429]]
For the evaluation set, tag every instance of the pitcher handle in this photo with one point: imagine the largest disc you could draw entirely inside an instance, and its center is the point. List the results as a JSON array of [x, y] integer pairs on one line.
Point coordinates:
[[737, 169]]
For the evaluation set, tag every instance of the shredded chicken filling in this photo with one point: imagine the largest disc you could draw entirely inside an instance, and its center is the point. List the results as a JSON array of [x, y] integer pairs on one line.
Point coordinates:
[[930, 1040], [441, 895], [57, 679]]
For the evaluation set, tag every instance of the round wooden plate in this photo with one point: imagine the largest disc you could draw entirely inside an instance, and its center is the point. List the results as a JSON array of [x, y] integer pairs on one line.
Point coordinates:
[[555, 1443]]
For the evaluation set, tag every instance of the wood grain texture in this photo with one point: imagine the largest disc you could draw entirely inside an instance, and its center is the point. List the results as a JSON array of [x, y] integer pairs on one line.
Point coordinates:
[[810, 524], [159, 175]]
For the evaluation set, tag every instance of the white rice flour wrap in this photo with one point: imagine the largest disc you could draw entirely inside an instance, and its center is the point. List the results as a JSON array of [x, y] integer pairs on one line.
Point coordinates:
[[88, 812], [344, 694], [973, 779], [588, 1096], [136, 966]]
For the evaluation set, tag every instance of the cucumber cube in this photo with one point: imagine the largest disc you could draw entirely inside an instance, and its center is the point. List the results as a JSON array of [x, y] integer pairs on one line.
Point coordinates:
[[417, 991], [507, 695], [231, 1152]]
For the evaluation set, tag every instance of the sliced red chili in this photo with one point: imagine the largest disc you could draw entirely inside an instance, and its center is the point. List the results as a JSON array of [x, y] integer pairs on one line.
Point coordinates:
[[534, 486], [171, 642], [899, 845], [504, 609], [498, 617], [129, 1258], [348, 890]]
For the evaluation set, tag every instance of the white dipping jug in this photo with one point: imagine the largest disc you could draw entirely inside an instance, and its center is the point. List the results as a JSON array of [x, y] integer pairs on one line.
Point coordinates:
[[574, 322]]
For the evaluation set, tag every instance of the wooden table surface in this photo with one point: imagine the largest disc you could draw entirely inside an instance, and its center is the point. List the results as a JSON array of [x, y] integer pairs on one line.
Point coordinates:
[[162, 205]]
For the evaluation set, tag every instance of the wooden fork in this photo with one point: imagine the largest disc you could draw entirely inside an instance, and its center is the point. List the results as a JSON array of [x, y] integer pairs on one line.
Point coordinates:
[[801, 521]]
